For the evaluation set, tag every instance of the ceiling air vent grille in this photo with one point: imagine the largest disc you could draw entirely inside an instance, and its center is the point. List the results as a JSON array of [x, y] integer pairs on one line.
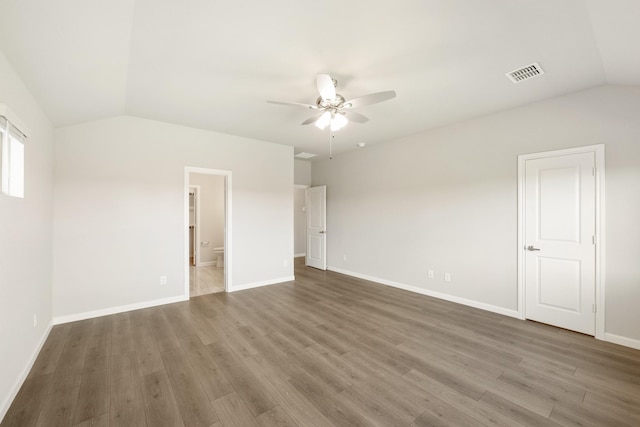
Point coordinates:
[[525, 73], [304, 155]]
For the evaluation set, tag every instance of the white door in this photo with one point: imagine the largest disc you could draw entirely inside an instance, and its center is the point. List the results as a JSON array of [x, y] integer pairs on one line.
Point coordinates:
[[559, 241], [316, 227]]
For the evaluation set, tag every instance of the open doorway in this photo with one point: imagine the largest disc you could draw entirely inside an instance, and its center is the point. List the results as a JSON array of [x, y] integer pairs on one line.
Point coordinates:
[[207, 231], [300, 220]]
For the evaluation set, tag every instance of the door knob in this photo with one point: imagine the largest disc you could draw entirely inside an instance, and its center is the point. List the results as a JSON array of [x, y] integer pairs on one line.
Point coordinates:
[[322, 232], [531, 248]]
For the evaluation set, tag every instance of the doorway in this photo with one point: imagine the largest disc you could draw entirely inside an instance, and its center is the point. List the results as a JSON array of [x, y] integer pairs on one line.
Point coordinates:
[[207, 231], [561, 238], [300, 220]]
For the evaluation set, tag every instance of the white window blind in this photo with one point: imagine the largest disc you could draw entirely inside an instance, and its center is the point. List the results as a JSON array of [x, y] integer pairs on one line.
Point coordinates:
[[11, 159]]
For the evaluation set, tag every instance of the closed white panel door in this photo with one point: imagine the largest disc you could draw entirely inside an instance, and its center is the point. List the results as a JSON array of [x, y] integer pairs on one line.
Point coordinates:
[[316, 227], [560, 205]]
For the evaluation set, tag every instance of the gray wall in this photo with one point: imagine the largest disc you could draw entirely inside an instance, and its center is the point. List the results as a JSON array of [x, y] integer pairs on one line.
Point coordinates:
[[447, 200], [25, 242], [119, 211]]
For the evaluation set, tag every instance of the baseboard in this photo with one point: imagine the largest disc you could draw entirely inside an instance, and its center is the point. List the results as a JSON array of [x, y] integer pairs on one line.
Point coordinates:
[[115, 310], [207, 264], [264, 283], [299, 255], [16, 388], [617, 339], [427, 292]]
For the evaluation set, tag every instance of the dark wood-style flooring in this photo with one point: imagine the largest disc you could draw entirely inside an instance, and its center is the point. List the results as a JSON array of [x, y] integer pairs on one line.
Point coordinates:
[[325, 350]]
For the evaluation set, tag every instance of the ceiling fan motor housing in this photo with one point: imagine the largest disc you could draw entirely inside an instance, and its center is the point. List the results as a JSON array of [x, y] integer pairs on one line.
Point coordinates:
[[337, 102]]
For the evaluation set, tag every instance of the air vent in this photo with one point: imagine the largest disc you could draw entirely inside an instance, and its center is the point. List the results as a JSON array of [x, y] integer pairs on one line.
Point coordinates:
[[525, 73], [304, 155]]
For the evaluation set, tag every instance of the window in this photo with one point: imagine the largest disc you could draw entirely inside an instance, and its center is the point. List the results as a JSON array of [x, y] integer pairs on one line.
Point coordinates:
[[11, 159]]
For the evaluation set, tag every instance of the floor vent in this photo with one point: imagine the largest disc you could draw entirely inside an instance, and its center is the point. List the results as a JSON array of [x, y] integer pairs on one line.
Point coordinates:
[[525, 73]]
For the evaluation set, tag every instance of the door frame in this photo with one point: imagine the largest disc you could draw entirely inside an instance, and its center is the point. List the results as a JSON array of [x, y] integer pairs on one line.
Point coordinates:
[[599, 154], [196, 234], [228, 235]]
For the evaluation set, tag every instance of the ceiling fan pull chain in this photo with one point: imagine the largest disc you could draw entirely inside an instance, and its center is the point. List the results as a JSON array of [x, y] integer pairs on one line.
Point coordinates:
[[331, 136]]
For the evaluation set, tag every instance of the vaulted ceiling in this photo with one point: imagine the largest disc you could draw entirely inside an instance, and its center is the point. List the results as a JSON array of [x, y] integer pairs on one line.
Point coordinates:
[[213, 64]]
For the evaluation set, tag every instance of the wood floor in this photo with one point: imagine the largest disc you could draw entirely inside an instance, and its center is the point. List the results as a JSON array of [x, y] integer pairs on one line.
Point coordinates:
[[325, 350], [205, 280]]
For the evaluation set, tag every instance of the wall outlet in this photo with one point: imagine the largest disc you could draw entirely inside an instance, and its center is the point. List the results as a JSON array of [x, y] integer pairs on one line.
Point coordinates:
[[163, 280], [35, 320], [285, 262], [344, 257], [430, 274], [447, 277]]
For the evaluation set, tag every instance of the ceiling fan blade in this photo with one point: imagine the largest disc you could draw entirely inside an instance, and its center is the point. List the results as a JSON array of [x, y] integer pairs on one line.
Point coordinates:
[[372, 98], [312, 119], [295, 104], [352, 116], [325, 87]]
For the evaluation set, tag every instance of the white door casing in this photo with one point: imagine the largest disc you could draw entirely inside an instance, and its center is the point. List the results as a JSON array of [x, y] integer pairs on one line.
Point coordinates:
[[559, 208], [316, 227]]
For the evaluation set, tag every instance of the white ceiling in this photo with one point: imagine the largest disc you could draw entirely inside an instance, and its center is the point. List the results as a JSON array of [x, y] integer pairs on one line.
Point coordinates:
[[213, 64]]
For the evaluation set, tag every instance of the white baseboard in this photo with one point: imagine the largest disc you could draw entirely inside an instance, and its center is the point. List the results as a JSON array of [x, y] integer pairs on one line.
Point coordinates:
[[299, 255], [23, 376], [439, 295], [115, 310], [207, 264], [264, 283], [617, 339]]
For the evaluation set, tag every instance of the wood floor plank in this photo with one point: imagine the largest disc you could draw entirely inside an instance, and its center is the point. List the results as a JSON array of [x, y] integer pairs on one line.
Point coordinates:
[[246, 384], [303, 412], [58, 408], [127, 402], [327, 401], [276, 417], [190, 396], [146, 347], [93, 397], [232, 412], [121, 334], [209, 374], [161, 408], [101, 421]]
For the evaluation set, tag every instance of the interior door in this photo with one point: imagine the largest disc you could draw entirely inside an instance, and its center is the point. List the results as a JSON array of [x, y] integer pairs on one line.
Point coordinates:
[[316, 227], [559, 261]]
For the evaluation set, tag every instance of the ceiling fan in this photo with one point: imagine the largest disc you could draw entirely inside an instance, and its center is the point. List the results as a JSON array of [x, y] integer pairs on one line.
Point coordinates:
[[333, 109]]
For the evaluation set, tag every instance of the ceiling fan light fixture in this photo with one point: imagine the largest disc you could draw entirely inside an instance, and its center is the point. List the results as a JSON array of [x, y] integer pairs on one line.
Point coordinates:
[[323, 121], [338, 122]]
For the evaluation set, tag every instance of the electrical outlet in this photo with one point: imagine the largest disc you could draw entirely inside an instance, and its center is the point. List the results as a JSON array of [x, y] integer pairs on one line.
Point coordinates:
[[430, 274], [344, 257], [285, 263], [163, 280], [447, 277]]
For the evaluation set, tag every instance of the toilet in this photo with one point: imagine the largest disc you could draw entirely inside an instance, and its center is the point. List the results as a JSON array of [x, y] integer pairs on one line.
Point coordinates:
[[218, 254]]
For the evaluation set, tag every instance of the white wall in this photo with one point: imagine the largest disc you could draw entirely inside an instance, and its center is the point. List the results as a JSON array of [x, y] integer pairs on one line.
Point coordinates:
[[211, 214], [447, 200], [25, 243], [302, 172], [119, 211]]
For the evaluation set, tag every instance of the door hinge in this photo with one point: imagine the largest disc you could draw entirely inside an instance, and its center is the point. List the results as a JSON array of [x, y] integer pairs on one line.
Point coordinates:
[[593, 239], [595, 308], [593, 171]]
